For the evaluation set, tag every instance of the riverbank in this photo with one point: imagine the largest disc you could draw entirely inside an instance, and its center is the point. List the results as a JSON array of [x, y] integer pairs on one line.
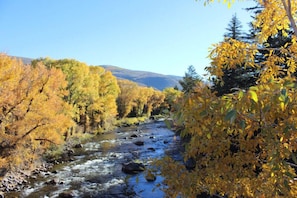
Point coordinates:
[[96, 169]]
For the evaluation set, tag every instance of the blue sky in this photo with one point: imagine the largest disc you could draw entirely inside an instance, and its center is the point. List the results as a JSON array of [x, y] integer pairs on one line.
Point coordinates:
[[162, 36]]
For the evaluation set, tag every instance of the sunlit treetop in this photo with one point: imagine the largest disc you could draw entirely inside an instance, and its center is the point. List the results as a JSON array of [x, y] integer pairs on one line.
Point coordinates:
[[276, 16]]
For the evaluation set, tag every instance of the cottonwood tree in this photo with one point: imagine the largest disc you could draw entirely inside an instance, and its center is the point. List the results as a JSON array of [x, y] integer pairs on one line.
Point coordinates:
[[33, 115], [127, 97], [92, 93], [136, 101], [243, 144], [103, 108], [172, 97]]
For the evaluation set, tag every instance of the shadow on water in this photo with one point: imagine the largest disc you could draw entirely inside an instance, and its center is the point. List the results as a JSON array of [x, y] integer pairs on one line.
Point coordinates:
[[97, 167]]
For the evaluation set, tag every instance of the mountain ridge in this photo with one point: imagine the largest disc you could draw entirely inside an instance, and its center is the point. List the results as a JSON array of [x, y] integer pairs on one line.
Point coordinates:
[[144, 78]]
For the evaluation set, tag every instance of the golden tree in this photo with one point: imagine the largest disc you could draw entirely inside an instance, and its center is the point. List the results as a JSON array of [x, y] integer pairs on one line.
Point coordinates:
[[33, 114], [103, 108], [126, 100], [92, 92]]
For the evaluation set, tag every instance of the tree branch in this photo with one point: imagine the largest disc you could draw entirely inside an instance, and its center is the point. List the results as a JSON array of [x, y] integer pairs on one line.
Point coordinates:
[[47, 140], [28, 132], [288, 9]]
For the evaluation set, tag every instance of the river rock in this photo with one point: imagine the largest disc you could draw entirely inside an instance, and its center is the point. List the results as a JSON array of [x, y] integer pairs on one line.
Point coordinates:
[[133, 168], [54, 181], [139, 143], [150, 176], [67, 194], [133, 136], [3, 171], [78, 146], [151, 149]]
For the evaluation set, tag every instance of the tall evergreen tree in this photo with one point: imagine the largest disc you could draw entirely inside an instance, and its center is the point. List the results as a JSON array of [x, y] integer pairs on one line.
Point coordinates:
[[234, 29], [189, 80], [240, 77], [282, 39]]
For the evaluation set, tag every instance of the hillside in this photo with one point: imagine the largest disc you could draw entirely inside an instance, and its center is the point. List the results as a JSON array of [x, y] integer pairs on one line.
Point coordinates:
[[150, 79]]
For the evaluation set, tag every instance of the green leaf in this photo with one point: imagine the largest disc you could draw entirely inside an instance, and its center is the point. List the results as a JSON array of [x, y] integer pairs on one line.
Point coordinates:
[[284, 92], [242, 124], [231, 115], [289, 84], [208, 136], [289, 174], [254, 96], [203, 113], [286, 184]]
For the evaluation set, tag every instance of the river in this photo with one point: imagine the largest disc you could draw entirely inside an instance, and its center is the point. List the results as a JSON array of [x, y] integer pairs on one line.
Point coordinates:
[[96, 169]]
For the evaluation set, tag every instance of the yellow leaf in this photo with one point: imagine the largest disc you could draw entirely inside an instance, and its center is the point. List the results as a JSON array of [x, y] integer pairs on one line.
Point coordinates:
[[254, 96], [282, 106]]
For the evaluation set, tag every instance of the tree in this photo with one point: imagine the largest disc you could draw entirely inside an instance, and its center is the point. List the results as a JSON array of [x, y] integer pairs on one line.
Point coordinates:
[[172, 96], [103, 108], [189, 80], [33, 115], [243, 144], [127, 97], [234, 29], [92, 92], [154, 102], [239, 77]]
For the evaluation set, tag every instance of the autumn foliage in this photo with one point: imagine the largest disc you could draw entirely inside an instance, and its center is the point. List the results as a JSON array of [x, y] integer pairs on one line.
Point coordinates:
[[32, 112], [243, 144], [137, 101], [44, 104]]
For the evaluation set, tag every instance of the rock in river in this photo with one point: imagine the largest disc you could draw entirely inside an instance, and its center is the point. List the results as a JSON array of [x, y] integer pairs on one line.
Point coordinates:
[[150, 176], [139, 143], [133, 168]]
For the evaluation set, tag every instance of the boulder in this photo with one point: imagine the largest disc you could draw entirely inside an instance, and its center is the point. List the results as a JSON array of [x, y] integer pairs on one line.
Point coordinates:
[[133, 136], [54, 181], [139, 143], [133, 168], [151, 149], [150, 176], [3, 172], [78, 146], [67, 194]]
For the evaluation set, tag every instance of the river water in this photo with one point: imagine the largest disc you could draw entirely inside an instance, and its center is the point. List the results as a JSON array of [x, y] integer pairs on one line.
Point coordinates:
[[96, 170]]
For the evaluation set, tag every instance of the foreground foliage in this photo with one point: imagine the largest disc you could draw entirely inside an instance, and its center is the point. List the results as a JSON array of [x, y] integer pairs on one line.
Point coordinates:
[[243, 144]]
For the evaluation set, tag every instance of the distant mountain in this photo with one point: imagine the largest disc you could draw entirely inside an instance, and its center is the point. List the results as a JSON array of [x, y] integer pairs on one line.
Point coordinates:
[[24, 59], [150, 79]]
